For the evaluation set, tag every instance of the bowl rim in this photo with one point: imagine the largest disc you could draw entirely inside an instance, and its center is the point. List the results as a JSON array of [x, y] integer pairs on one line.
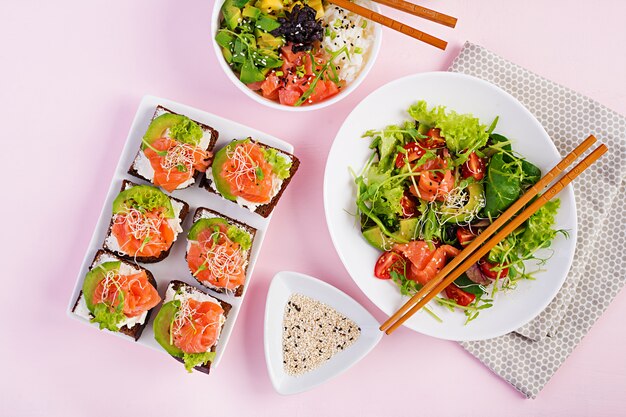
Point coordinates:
[[215, 18]]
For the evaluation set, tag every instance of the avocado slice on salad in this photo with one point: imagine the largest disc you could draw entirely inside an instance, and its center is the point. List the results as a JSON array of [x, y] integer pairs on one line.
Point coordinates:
[[468, 211], [161, 328], [221, 157], [375, 237], [143, 198], [232, 14], [203, 224], [93, 278]]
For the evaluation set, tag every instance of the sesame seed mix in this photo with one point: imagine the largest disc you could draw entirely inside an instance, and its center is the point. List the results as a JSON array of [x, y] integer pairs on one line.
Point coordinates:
[[313, 333]]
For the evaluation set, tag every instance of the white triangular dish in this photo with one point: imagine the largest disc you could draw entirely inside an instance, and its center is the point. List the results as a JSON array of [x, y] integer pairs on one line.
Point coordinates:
[[285, 284]]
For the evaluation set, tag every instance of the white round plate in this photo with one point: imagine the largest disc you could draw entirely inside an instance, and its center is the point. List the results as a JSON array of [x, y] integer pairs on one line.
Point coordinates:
[[463, 94], [285, 284]]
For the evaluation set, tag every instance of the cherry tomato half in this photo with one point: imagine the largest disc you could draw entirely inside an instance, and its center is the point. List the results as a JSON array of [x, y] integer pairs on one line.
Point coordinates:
[[473, 167], [413, 152], [389, 261], [461, 297], [464, 236], [434, 139], [487, 268], [409, 207]]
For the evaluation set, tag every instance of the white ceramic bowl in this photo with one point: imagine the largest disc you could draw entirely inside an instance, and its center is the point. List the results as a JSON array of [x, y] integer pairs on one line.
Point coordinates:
[[283, 286], [463, 94], [215, 24]]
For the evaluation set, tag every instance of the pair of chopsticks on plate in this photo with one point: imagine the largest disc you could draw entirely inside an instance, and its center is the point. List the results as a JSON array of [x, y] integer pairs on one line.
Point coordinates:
[[407, 7], [480, 246]]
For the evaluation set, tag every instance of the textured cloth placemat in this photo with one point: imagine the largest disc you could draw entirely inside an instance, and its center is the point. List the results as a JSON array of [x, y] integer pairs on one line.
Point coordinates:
[[528, 358]]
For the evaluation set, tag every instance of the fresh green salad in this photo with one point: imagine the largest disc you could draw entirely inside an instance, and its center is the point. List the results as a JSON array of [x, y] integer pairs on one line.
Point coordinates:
[[431, 185]]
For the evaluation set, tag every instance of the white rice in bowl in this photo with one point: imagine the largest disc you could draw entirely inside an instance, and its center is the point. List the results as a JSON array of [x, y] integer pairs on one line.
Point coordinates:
[[344, 28]]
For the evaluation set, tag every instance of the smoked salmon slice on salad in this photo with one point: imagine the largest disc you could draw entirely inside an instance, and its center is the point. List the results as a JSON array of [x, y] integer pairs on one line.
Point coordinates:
[[189, 325], [174, 150], [251, 174], [145, 223], [117, 295], [218, 251]]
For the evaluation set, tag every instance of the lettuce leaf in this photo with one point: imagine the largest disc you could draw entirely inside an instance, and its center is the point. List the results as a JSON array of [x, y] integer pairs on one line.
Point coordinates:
[[107, 317], [539, 232], [280, 166], [407, 286], [195, 359], [502, 186], [461, 131], [387, 141], [143, 198], [187, 131], [240, 236], [383, 193]]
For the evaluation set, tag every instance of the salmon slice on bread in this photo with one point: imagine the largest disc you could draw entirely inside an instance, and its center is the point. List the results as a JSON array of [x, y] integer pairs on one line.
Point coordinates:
[[132, 327], [218, 251], [138, 237], [189, 325], [174, 151], [251, 174]]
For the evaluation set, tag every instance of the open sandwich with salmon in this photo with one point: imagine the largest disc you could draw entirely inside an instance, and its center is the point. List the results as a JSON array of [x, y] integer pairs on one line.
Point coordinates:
[[145, 223], [431, 185], [189, 325], [251, 174], [218, 251], [175, 150], [117, 295]]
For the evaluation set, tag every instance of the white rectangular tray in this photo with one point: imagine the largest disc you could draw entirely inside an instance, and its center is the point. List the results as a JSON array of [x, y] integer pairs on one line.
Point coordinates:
[[174, 266]]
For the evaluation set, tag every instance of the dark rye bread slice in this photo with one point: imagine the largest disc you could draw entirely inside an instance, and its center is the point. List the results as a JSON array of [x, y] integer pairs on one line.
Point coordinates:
[[205, 128], [145, 259], [137, 329], [225, 306], [238, 291], [265, 209]]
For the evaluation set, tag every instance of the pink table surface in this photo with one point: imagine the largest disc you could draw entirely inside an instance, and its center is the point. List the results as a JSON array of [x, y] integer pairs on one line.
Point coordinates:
[[71, 76]]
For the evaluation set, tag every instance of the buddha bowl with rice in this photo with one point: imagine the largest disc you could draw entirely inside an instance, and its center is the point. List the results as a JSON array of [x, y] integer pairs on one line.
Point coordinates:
[[294, 54]]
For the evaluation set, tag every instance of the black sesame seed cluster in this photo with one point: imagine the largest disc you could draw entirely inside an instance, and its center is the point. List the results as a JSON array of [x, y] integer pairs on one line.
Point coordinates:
[[313, 333]]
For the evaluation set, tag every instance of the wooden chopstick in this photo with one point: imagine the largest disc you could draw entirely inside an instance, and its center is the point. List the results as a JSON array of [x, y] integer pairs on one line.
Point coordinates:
[[414, 303], [389, 22], [420, 11]]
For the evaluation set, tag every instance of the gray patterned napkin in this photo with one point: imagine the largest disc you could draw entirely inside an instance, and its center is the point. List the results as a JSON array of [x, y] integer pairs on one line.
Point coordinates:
[[529, 357]]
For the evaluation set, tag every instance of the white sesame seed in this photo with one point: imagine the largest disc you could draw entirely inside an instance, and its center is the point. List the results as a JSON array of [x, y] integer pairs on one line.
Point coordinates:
[[313, 333]]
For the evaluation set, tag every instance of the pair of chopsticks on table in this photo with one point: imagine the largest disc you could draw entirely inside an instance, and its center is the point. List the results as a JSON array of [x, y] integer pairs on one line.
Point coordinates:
[[480, 246], [407, 7]]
